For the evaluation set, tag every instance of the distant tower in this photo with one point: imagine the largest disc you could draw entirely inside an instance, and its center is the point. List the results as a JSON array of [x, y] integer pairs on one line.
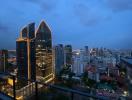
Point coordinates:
[[43, 44], [68, 54], [25, 50], [86, 50], [59, 58], [3, 60]]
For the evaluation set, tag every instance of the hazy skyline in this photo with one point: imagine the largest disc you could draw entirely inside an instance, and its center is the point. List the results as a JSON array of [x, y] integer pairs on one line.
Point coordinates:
[[96, 23]]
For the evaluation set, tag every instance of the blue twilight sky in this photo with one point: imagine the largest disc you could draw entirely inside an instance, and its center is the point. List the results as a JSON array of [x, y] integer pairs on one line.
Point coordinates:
[[96, 23]]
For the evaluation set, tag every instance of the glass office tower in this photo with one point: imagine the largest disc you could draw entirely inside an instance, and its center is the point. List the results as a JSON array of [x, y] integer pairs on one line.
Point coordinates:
[[59, 58], [43, 43], [68, 55], [25, 50]]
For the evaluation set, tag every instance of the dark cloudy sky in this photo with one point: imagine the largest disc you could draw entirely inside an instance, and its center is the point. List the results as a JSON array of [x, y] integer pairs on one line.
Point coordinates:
[[96, 23]]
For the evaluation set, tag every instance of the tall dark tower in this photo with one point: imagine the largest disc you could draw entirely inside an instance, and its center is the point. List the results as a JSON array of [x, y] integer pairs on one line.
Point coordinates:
[[59, 58], [68, 55], [86, 50], [44, 53], [3, 60], [25, 50]]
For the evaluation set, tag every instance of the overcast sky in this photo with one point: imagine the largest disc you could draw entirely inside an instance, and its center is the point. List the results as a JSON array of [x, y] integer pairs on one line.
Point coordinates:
[[96, 23]]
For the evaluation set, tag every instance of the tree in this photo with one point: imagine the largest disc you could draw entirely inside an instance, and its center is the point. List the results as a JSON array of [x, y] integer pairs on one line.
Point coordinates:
[[88, 82]]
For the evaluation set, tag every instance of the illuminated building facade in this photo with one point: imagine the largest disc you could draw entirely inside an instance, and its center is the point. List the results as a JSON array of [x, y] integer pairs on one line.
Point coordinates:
[[3, 60], [25, 51], [44, 59]]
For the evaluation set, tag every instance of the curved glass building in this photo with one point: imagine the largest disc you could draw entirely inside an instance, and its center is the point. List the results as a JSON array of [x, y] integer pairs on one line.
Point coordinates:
[[43, 43]]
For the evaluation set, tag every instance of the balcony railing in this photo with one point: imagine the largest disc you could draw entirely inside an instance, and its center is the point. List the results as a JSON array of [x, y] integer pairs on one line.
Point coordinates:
[[35, 90]]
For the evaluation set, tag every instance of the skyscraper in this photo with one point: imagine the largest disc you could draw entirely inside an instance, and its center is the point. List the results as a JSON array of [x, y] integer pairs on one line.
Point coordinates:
[[77, 67], [59, 58], [86, 55], [3, 60], [28, 31], [86, 50], [43, 44], [25, 50], [68, 54]]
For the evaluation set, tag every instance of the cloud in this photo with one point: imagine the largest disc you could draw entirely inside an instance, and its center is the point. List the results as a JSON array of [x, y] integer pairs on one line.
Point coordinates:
[[71, 18], [7, 40], [86, 16], [3, 28], [119, 5], [124, 41], [45, 5]]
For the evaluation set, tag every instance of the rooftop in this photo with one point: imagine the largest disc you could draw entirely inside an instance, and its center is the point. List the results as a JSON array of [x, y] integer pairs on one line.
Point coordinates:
[[127, 60]]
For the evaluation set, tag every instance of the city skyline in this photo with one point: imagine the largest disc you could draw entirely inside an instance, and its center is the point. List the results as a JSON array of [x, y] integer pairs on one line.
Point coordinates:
[[79, 23], [65, 50]]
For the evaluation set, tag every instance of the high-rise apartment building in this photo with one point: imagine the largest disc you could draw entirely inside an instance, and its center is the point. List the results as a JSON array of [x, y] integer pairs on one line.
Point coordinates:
[[43, 43], [77, 67], [80, 60], [25, 51]]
